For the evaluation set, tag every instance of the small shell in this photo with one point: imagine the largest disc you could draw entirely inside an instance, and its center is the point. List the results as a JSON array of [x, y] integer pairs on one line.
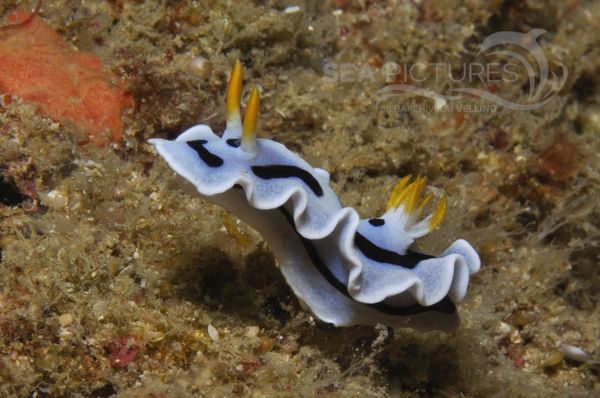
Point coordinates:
[[213, 333], [252, 331], [292, 10], [574, 353]]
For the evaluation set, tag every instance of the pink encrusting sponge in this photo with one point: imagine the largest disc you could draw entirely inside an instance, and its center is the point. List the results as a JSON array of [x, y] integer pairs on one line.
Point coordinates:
[[38, 66]]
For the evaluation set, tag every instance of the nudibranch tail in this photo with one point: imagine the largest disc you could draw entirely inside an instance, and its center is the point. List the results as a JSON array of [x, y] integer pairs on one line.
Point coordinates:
[[232, 101], [250, 120]]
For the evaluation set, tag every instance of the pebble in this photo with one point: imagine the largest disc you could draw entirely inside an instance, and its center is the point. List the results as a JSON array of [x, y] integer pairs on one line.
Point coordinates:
[[65, 319], [252, 331], [266, 345], [553, 359]]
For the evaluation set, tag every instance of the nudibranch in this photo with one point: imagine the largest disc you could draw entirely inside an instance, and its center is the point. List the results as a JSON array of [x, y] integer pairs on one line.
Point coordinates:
[[347, 271]]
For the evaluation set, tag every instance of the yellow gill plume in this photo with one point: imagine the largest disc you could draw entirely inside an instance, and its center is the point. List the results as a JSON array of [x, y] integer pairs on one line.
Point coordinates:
[[415, 189], [396, 192], [438, 214], [407, 194], [250, 121], [425, 201]]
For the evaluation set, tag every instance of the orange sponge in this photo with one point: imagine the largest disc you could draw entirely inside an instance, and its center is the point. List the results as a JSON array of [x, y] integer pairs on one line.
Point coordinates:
[[38, 66]]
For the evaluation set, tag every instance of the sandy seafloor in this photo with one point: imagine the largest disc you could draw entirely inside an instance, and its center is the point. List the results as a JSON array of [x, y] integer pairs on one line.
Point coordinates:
[[105, 259]]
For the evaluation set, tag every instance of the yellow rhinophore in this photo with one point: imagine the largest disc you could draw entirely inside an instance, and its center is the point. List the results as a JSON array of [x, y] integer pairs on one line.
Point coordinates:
[[234, 94], [250, 120]]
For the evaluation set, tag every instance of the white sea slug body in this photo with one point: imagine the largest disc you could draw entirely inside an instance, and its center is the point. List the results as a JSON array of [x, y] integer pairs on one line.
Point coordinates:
[[347, 271]]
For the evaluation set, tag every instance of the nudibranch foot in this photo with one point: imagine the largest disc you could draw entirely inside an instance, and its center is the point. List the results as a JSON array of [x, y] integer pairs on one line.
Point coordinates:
[[347, 271]]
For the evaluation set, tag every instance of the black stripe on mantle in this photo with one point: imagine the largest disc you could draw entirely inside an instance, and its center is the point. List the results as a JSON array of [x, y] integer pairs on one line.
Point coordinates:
[[286, 171], [381, 255], [207, 157]]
